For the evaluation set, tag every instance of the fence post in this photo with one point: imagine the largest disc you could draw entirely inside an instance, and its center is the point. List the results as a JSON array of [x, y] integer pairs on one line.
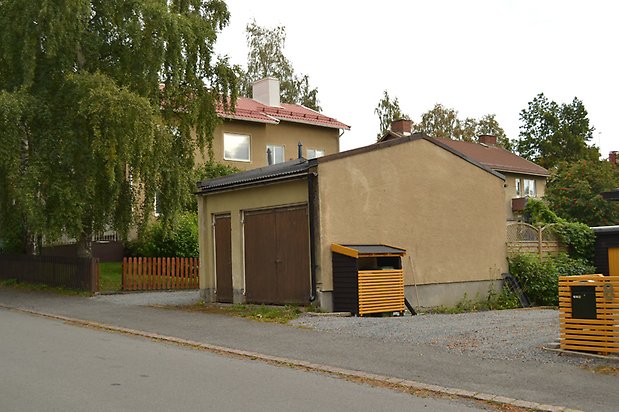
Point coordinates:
[[539, 242], [94, 285]]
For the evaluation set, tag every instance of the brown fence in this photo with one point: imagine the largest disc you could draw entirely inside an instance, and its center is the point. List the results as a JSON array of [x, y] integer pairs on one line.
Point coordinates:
[[143, 273], [589, 313], [54, 271], [525, 238]]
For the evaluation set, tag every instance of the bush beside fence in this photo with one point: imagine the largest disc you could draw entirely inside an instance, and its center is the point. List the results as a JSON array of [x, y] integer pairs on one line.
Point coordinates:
[[147, 273], [55, 271]]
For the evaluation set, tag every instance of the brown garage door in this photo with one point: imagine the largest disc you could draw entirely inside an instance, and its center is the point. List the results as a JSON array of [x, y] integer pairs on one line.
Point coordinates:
[[223, 258], [277, 268]]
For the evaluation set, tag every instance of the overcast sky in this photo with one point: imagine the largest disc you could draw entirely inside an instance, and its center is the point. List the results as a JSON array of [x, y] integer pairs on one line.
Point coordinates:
[[477, 57]]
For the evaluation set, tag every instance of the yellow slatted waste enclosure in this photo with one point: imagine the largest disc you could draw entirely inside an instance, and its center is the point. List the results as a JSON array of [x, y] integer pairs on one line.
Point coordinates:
[[589, 313], [367, 279]]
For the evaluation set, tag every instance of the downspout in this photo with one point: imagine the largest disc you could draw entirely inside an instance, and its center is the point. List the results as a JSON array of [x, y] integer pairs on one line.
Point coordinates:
[[312, 231]]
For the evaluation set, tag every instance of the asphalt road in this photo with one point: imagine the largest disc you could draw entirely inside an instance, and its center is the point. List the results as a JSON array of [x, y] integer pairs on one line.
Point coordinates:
[[47, 365]]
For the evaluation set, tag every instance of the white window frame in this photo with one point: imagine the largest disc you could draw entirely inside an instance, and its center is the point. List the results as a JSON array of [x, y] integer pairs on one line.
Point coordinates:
[[272, 146], [248, 160], [518, 184], [529, 187], [322, 151]]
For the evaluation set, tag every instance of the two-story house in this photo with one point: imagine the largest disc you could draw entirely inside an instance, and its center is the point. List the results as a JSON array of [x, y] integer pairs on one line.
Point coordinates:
[[523, 178], [263, 131]]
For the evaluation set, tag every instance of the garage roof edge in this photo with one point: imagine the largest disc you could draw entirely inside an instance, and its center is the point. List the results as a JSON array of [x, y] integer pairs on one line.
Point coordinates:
[[277, 172]]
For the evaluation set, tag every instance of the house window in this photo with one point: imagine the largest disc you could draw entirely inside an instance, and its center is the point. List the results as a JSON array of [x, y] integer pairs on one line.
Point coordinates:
[[277, 154], [237, 147], [314, 153], [518, 187], [529, 188]]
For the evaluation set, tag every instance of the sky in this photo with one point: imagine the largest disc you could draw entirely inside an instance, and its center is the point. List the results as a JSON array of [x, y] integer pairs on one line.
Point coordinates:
[[478, 57]]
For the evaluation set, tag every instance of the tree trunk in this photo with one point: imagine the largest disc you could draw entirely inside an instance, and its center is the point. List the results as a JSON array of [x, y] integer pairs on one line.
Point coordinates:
[[84, 245]]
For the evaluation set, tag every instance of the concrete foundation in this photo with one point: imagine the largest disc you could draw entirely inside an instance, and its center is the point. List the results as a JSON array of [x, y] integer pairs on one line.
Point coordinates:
[[208, 295], [449, 294], [238, 296]]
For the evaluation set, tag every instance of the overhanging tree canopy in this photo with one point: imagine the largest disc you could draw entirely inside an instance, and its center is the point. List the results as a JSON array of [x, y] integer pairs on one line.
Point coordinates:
[[88, 133]]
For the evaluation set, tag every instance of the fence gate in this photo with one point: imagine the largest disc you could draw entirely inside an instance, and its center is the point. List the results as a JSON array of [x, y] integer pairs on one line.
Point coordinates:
[[147, 273]]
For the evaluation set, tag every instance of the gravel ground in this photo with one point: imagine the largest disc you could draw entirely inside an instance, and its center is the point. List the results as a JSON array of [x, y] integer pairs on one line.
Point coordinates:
[[505, 334], [183, 297]]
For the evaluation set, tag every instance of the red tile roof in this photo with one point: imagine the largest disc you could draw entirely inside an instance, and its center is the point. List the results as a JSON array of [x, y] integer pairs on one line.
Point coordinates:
[[495, 158], [254, 111]]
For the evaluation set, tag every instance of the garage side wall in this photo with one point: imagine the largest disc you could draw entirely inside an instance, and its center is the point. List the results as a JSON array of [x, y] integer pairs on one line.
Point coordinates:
[[446, 212], [235, 202]]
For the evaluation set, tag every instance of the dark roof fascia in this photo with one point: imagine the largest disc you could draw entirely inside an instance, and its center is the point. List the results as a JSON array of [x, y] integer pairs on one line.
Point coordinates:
[[606, 229], [520, 172], [284, 171], [263, 182], [611, 195], [405, 139]]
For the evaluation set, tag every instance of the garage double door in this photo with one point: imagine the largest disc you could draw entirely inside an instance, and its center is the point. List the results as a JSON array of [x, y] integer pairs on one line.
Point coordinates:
[[277, 268]]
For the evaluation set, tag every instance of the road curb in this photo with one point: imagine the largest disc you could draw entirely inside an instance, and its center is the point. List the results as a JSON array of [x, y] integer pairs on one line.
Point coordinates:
[[394, 382]]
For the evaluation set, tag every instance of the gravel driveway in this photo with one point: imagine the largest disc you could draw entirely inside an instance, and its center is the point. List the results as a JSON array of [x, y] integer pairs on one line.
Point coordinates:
[[506, 334]]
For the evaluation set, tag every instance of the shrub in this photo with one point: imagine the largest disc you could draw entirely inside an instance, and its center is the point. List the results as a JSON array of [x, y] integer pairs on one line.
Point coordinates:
[[180, 239], [539, 278], [578, 237]]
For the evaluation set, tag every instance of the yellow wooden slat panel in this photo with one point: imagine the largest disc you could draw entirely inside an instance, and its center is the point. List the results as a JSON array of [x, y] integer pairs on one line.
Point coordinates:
[[613, 261], [590, 343], [590, 349]]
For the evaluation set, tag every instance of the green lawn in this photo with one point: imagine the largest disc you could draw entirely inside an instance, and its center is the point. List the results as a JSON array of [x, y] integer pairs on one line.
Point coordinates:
[[110, 276]]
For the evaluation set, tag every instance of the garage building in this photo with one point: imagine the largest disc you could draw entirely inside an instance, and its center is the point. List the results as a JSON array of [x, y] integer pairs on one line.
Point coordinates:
[[266, 234]]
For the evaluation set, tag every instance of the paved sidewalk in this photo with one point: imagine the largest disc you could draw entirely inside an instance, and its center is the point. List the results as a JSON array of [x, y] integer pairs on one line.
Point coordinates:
[[553, 384]]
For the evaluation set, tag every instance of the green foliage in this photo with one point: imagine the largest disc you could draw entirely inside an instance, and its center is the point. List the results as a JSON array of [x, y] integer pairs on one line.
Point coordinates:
[[387, 111], [177, 239], [574, 189], [266, 59], [539, 278], [443, 122], [505, 299], [539, 213], [82, 113], [578, 237], [551, 133], [212, 169], [262, 313]]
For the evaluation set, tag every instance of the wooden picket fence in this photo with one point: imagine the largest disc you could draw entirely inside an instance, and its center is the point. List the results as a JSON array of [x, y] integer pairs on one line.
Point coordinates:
[[146, 273]]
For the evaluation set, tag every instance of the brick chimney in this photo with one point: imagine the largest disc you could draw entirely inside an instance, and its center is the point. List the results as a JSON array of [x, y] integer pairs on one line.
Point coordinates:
[[266, 91], [612, 157], [402, 126], [487, 139]]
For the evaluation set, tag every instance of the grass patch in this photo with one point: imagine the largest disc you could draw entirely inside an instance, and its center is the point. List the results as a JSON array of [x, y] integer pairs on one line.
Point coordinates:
[[276, 314], [260, 313], [14, 283], [110, 276], [493, 301]]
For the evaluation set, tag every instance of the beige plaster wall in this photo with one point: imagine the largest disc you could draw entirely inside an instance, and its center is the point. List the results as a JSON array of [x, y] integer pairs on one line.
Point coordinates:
[[287, 134], [447, 213], [510, 189], [234, 203]]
